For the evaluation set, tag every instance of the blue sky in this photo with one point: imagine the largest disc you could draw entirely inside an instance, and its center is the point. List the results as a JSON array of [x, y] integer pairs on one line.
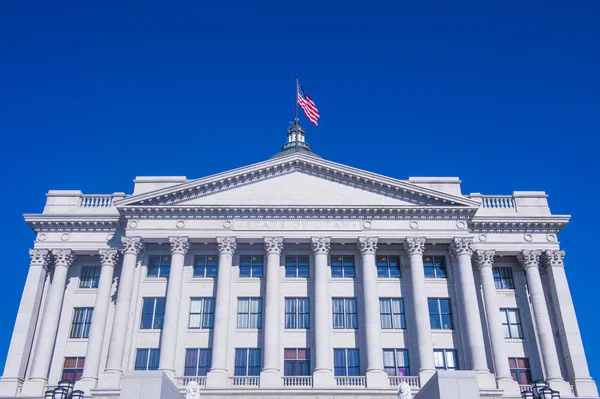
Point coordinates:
[[503, 95]]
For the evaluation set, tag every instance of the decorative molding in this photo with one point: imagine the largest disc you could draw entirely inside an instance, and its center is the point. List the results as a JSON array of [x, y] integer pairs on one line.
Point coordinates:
[[132, 245], [227, 245], [414, 245], [321, 245], [109, 257], [69, 223], [63, 257], [553, 258], [40, 257], [462, 246], [367, 245], [484, 258], [274, 245], [179, 245], [519, 225], [529, 258]]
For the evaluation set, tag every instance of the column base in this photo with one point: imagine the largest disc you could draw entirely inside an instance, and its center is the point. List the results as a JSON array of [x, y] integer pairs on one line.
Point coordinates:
[[34, 387], [561, 386], [10, 386], [110, 379], [425, 375], [585, 387], [86, 385], [217, 379], [485, 379], [323, 379], [270, 379], [509, 386], [377, 379]]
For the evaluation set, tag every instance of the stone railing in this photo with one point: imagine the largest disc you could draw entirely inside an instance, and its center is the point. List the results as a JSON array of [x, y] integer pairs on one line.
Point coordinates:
[[412, 381], [524, 388], [304, 381], [498, 202], [96, 201], [244, 381], [183, 381], [352, 382]]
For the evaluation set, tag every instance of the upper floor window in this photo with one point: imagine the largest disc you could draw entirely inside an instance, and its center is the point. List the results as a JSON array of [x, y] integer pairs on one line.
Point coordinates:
[[392, 313], [296, 362], [440, 313], [435, 266], [511, 322], [251, 265], [519, 370], [503, 278], [297, 313], [445, 359], [344, 313], [147, 359], [197, 362], [153, 313], [388, 266], [159, 265], [90, 276], [247, 362], [82, 321], [395, 362], [249, 313], [73, 368], [346, 362], [342, 266], [202, 313], [205, 266], [296, 266]]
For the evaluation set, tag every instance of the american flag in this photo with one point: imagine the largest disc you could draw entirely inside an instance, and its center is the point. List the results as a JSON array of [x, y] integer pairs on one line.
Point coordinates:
[[308, 106]]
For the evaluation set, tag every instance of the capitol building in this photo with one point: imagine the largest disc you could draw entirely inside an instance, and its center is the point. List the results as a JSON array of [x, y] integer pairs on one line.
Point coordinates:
[[296, 277]]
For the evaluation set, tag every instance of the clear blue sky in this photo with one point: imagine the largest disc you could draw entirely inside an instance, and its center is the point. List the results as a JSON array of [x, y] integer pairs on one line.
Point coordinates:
[[504, 96]]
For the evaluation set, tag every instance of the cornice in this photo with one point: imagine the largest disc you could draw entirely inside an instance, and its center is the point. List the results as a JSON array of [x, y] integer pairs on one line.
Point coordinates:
[[512, 224], [49, 223]]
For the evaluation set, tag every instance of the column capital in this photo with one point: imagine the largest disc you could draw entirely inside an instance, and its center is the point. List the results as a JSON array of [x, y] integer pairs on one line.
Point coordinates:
[[484, 258], [321, 245], [63, 257], [274, 245], [40, 257], [367, 245], [414, 245], [132, 245], [462, 246], [553, 258], [529, 258], [179, 245], [227, 245], [108, 257]]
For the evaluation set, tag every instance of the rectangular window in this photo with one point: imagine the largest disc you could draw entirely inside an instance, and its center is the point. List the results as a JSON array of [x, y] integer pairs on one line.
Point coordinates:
[[82, 321], [159, 265], [90, 276], [511, 322], [344, 313], [247, 362], [346, 362], [395, 362], [503, 278], [388, 266], [73, 368], [147, 359], [202, 313], [519, 370], [445, 359], [392, 313], [197, 362], [205, 266], [440, 314], [296, 362], [435, 266], [249, 313], [297, 313], [251, 266], [153, 313], [342, 266], [296, 266]]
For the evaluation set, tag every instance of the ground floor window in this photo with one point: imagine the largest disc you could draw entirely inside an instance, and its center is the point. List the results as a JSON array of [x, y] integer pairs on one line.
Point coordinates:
[[296, 362]]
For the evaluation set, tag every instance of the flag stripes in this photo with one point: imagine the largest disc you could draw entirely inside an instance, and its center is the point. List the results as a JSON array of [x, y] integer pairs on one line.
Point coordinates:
[[308, 106]]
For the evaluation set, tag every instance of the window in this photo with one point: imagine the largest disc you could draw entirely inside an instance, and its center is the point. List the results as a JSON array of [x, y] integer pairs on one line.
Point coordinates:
[[388, 266], [392, 313], [445, 359], [511, 322], [296, 362], [247, 362], [435, 266], [251, 266], [82, 321], [342, 266], [344, 313], [249, 313], [519, 370], [73, 368], [297, 313], [346, 362], [153, 313], [90, 276], [202, 313], [440, 314], [296, 266], [197, 362], [205, 266], [395, 362], [503, 278], [159, 265], [147, 359]]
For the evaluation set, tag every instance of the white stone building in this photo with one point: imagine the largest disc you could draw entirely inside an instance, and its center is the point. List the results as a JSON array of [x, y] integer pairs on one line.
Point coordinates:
[[296, 274]]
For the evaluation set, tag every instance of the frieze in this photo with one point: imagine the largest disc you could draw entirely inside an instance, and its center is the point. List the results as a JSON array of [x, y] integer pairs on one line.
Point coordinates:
[[309, 225]]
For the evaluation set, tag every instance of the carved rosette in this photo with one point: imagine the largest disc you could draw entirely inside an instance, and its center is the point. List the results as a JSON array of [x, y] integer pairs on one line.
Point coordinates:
[[132, 245], [321, 245], [484, 258], [109, 257], [227, 245], [63, 257], [414, 245], [40, 257], [529, 258], [461, 246], [274, 245], [367, 245], [179, 245], [553, 258]]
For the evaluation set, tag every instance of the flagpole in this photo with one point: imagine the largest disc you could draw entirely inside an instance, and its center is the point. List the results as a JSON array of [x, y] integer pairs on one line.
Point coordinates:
[[296, 120]]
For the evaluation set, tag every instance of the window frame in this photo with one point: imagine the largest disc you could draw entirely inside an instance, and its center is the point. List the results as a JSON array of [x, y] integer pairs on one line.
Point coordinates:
[[516, 372], [385, 271], [93, 278], [440, 314], [504, 316], [295, 266], [401, 315], [346, 358], [247, 366], [253, 269], [80, 329], [435, 270], [249, 313], [395, 366], [298, 317], [296, 363], [78, 369], [347, 316], [161, 271], [503, 277], [199, 369], [203, 314], [201, 264], [444, 353], [151, 354], [344, 270], [154, 313]]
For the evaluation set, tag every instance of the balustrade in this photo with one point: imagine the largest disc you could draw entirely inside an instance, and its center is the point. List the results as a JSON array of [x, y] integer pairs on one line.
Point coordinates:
[[358, 381], [412, 381], [303, 381]]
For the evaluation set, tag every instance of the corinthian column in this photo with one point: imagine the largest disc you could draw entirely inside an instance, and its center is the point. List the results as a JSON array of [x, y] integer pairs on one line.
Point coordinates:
[[568, 327], [323, 373], [218, 375], [63, 258], [168, 342], [270, 376]]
